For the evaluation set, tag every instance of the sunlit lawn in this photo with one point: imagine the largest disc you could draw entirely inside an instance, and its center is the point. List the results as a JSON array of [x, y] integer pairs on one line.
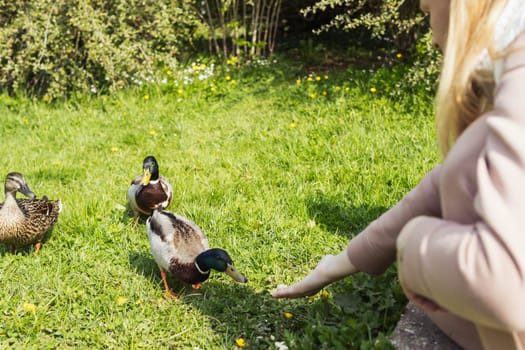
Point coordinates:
[[278, 167]]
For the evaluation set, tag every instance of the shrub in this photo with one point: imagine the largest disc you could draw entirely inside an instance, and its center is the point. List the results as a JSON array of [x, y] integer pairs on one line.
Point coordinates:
[[396, 21], [50, 48]]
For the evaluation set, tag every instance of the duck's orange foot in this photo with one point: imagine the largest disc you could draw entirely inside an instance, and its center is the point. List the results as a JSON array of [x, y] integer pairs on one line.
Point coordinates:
[[38, 245], [170, 295], [196, 286]]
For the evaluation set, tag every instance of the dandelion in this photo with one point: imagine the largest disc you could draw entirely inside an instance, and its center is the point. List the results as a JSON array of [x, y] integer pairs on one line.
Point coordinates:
[[337, 88], [138, 302], [326, 77], [146, 97], [324, 294], [114, 149], [309, 79], [233, 60], [347, 89], [313, 95], [121, 300], [228, 78], [240, 342], [293, 125], [288, 315], [29, 307], [195, 68], [324, 93], [318, 78], [25, 121], [168, 72], [152, 132], [233, 82], [47, 98], [399, 55], [180, 91], [298, 81], [213, 89], [373, 90]]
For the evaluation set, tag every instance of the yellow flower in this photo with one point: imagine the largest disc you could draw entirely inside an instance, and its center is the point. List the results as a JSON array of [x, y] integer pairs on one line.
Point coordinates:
[[146, 97], [232, 60], [213, 89], [140, 301], [228, 77], [337, 88], [324, 93], [168, 72], [29, 307], [313, 95], [298, 81], [121, 300], [309, 79], [399, 55], [317, 78], [47, 98], [233, 82], [202, 66], [180, 91], [240, 342], [293, 125], [114, 149], [326, 77], [152, 132], [347, 89], [195, 67], [288, 315], [373, 89], [324, 294], [25, 121]]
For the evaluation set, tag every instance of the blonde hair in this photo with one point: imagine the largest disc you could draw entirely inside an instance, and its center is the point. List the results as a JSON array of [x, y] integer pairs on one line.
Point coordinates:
[[466, 91]]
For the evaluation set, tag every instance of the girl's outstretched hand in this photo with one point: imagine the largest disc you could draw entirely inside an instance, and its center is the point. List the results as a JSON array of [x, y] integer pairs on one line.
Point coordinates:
[[330, 269]]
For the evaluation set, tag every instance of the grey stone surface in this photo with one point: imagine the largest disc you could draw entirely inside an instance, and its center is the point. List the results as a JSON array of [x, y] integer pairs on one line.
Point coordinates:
[[415, 331]]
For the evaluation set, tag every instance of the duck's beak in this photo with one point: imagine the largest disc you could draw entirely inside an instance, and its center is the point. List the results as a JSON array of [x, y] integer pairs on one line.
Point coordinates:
[[236, 275], [27, 192], [145, 177]]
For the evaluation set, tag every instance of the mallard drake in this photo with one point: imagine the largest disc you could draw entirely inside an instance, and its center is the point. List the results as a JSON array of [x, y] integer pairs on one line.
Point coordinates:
[[180, 247], [149, 190], [25, 221]]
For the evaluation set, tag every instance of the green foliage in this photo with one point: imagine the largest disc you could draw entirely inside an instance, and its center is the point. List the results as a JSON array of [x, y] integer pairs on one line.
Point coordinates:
[[396, 21], [274, 176], [52, 48], [241, 28]]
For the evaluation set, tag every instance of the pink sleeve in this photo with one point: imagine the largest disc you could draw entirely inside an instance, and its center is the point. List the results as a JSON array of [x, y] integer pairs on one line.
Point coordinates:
[[478, 270], [374, 249]]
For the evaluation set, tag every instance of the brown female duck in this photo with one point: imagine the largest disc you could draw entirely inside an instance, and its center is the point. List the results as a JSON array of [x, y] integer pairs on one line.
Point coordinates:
[[25, 221]]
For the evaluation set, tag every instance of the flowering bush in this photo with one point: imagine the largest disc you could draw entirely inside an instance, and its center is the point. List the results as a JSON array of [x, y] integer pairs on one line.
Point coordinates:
[[49, 48]]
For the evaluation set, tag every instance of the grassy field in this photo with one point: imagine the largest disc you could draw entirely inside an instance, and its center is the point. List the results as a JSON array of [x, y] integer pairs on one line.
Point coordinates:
[[277, 167]]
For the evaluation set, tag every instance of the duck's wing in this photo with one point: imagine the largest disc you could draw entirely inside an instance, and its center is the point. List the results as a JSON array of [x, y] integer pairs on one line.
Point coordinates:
[[43, 210], [178, 234]]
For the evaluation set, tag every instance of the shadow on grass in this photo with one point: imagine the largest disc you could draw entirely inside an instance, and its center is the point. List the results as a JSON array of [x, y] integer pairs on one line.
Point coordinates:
[[337, 218]]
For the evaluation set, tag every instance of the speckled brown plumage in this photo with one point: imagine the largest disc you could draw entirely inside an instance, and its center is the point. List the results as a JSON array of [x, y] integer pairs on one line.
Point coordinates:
[[25, 221]]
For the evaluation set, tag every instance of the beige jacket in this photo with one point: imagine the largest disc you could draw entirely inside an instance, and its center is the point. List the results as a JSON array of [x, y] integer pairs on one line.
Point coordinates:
[[465, 221]]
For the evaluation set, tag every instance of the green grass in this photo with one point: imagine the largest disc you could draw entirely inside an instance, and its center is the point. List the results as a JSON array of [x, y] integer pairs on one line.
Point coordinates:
[[273, 171]]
